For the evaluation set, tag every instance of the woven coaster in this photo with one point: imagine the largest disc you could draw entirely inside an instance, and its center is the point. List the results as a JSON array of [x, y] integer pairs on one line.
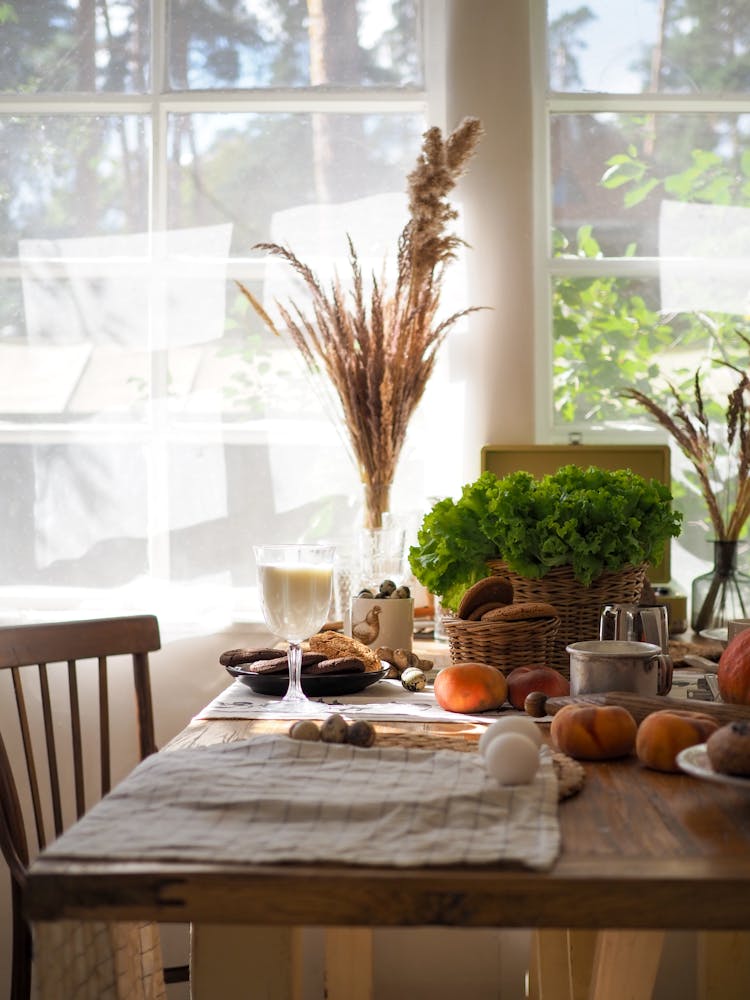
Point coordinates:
[[570, 774]]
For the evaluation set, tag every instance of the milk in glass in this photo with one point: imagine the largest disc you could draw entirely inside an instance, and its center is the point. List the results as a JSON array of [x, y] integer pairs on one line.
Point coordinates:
[[296, 599]]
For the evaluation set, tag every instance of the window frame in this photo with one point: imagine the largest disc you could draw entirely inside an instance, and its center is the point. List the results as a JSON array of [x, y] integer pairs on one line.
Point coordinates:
[[160, 429], [546, 104]]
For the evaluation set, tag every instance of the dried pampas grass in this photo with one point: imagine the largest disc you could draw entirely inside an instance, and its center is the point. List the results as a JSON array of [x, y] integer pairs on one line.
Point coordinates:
[[379, 350]]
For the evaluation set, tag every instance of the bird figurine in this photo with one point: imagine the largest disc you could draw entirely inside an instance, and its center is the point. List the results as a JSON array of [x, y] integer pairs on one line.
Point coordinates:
[[367, 630]]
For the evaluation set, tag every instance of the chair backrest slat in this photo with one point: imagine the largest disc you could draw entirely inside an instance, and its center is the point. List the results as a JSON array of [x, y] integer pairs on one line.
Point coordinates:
[[52, 768], [76, 742], [145, 708], [105, 754], [28, 753]]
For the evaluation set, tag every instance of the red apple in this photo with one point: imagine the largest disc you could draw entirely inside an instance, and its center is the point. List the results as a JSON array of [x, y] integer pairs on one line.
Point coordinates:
[[733, 674], [523, 680]]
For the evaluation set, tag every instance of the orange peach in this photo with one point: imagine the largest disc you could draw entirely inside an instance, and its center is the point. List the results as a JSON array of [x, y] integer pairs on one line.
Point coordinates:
[[593, 732], [663, 734], [470, 687]]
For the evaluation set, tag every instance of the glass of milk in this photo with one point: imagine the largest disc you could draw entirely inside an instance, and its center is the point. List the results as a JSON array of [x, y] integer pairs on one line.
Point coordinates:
[[295, 583]]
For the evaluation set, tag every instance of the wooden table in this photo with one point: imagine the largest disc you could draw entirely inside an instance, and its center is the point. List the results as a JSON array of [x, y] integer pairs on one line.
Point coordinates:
[[641, 852]]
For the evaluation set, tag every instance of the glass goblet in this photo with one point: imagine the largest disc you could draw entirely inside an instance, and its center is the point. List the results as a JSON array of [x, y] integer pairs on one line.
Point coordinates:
[[295, 584]]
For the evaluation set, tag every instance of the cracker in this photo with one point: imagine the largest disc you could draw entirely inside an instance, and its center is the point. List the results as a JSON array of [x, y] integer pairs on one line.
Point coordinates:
[[495, 589]]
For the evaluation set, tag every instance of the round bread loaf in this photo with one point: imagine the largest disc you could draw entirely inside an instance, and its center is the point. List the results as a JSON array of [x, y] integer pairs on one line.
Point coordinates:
[[491, 590], [478, 613], [728, 749], [525, 612]]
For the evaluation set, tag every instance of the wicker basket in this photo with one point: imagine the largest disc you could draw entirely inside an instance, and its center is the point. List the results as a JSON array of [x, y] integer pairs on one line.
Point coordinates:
[[579, 607], [505, 645]]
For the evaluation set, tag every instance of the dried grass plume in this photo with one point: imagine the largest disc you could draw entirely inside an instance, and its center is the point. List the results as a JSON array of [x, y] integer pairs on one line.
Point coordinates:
[[691, 430], [379, 350]]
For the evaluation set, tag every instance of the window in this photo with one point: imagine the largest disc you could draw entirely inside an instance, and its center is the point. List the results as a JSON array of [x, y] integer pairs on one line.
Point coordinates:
[[151, 429], [647, 140]]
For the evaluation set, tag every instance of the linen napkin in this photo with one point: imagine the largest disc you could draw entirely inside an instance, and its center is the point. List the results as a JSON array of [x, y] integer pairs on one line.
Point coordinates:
[[272, 799]]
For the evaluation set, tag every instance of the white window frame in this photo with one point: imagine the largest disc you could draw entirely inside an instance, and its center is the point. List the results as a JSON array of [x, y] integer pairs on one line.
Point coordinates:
[[547, 267]]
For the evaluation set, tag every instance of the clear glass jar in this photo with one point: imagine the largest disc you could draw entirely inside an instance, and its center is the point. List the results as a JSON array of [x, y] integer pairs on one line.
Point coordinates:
[[721, 594]]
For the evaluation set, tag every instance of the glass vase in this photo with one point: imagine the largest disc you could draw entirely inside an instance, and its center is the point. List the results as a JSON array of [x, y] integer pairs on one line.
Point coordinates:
[[381, 557], [721, 594]]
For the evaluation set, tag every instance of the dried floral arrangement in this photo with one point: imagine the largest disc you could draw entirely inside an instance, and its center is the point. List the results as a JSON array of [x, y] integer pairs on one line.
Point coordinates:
[[727, 496], [692, 432], [379, 354]]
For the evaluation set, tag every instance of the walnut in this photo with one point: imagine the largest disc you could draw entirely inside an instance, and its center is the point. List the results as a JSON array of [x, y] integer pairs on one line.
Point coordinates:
[[361, 734], [334, 729]]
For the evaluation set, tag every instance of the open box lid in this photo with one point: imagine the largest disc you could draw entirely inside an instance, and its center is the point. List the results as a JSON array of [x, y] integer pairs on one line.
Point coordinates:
[[647, 460]]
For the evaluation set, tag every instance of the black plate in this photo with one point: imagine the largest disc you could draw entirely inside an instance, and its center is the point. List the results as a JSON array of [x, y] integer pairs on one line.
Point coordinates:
[[314, 685]]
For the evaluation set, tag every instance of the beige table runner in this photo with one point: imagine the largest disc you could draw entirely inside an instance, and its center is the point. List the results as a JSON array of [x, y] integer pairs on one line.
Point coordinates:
[[386, 701], [272, 799]]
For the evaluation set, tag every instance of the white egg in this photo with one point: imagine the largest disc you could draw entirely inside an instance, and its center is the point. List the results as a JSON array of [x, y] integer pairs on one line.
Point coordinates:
[[523, 724], [512, 759]]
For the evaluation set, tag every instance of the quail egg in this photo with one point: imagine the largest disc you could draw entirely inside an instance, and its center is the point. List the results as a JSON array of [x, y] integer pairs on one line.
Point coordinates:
[[413, 679]]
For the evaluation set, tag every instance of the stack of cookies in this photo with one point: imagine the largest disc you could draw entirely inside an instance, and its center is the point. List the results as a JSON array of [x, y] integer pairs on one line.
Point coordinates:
[[489, 627]]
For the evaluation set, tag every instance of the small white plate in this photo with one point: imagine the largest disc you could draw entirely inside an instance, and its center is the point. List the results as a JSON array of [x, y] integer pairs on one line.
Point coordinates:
[[694, 760], [716, 634]]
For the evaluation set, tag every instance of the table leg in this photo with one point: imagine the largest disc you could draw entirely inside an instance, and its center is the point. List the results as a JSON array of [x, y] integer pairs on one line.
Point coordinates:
[[548, 972], [245, 963], [723, 965], [625, 965], [581, 951], [348, 973], [561, 963]]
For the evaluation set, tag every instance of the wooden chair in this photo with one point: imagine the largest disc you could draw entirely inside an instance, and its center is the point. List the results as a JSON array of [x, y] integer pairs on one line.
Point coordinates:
[[48, 657]]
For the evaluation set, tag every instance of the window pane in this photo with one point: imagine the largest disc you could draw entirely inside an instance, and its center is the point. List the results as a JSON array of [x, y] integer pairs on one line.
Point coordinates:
[[267, 43], [250, 168], [612, 332], [85, 338], [78, 514], [62, 46], [620, 46], [623, 174], [71, 175]]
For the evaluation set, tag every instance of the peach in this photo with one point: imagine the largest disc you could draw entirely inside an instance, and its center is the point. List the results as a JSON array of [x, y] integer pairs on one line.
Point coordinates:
[[523, 680], [593, 732], [663, 734], [470, 687]]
